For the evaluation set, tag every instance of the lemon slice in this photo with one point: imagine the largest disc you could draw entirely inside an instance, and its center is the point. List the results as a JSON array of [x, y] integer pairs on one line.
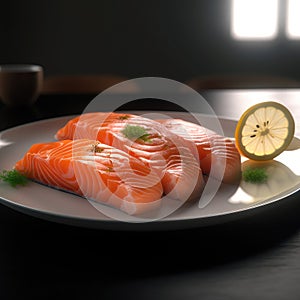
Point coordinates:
[[264, 131]]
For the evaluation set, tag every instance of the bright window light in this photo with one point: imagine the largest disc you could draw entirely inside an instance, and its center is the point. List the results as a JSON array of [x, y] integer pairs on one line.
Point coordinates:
[[293, 19], [254, 19]]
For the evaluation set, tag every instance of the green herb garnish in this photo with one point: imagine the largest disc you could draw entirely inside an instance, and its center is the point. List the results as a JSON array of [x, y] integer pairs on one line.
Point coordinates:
[[13, 177], [97, 149], [125, 117], [255, 175], [134, 132]]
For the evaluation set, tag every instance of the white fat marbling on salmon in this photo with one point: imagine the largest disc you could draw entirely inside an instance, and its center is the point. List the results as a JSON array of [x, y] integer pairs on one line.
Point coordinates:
[[75, 166], [217, 155], [165, 154]]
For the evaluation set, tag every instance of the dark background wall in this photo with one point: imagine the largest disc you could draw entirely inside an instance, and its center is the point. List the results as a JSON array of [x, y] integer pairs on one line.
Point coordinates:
[[176, 39]]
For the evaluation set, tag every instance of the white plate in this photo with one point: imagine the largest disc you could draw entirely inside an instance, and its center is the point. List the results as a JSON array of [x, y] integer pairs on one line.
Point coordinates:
[[47, 203]]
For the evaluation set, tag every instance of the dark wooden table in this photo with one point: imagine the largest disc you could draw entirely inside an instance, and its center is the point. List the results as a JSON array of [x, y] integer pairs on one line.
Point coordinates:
[[257, 257]]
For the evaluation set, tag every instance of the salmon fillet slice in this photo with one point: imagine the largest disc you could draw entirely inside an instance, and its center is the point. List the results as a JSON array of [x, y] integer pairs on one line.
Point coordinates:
[[164, 152], [97, 171], [213, 150]]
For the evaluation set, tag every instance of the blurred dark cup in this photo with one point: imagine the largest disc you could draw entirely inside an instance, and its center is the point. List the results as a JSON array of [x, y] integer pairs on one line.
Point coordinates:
[[20, 85]]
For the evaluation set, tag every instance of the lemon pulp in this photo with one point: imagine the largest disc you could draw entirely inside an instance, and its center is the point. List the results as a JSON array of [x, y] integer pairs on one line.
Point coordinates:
[[264, 131]]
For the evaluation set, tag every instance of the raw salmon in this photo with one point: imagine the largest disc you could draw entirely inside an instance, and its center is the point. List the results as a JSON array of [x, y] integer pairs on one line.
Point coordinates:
[[213, 150], [164, 152], [97, 171]]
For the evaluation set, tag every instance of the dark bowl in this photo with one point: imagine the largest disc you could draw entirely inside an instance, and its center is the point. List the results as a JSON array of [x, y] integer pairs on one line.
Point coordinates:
[[20, 85]]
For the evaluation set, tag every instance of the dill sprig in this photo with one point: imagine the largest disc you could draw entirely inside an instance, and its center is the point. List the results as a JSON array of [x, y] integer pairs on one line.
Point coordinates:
[[13, 177], [124, 117], [134, 132], [255, 175]]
